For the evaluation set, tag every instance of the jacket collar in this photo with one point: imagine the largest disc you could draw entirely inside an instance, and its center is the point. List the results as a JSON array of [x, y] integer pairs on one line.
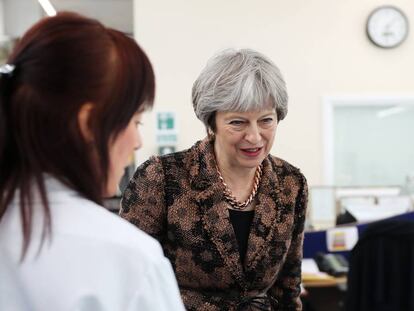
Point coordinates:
[[209, 196]]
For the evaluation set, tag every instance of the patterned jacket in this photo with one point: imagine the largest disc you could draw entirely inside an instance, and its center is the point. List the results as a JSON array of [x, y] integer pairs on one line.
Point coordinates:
[[178, 199]]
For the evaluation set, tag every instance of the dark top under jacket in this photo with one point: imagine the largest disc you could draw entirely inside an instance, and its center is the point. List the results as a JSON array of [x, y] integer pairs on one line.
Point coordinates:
[[241, 222]]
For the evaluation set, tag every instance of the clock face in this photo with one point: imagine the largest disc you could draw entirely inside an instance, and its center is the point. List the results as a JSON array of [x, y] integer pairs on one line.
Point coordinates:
[[387, 27]]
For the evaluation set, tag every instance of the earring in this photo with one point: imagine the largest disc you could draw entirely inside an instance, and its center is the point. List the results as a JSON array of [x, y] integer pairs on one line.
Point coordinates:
[[210, 133]]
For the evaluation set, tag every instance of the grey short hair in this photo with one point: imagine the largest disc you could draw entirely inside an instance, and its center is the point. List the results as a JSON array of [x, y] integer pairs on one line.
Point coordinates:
[[238, 80]]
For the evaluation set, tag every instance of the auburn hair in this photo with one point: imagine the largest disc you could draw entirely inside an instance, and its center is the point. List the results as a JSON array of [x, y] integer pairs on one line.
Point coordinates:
[[61, 63]]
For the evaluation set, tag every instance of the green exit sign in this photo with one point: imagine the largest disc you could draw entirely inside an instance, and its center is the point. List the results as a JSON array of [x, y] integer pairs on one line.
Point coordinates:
[[165, 121]]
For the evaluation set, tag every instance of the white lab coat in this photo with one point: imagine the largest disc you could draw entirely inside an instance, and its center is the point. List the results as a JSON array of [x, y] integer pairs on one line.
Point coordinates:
[[94, 261]]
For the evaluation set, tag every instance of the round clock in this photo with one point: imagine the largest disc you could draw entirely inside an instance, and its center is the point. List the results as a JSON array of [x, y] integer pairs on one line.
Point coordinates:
[[387, 26]]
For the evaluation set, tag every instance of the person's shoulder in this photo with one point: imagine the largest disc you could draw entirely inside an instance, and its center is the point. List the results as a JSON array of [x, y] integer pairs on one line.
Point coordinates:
[[284, 165], [182, 155], [173, 159], [96, 223], [176, 158]]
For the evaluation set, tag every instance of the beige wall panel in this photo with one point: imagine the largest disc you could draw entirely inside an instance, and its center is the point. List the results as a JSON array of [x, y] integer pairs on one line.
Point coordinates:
[[320, 46]]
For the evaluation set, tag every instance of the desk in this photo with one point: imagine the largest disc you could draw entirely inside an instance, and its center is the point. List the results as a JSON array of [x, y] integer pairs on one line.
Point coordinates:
[[326, 294], [325, 282]]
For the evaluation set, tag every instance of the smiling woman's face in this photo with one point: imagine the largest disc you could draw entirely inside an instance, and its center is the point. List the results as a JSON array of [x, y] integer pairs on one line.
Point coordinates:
[[244, 139]]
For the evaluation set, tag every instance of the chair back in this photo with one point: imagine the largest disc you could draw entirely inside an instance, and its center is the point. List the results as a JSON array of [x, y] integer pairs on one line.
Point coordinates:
[[381, 272]]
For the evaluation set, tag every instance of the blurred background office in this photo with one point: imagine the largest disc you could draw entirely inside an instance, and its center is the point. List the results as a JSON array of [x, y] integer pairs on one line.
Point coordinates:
[[349, 70]]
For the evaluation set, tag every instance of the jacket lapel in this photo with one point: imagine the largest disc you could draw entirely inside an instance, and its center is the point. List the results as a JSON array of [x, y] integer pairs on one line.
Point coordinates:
[[267, 220], [208, 194]]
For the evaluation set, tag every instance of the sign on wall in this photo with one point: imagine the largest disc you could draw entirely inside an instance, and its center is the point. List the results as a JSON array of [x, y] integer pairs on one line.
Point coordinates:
[[166, 135]]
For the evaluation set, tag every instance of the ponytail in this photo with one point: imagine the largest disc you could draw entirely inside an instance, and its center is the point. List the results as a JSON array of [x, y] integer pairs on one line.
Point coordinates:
[[7, 72]]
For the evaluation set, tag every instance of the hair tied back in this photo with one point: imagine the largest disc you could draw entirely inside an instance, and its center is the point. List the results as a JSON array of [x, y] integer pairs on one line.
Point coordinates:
[[6, 70]]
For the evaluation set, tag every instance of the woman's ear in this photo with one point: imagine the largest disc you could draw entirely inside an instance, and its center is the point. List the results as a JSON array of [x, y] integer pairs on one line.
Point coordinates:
[[84, 116]]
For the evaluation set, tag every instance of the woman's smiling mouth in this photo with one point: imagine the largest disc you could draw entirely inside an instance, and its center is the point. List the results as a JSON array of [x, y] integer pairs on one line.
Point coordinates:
[[251, 152]]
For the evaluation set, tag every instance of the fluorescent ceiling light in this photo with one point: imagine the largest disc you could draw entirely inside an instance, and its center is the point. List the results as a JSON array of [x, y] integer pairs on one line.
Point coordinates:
[[48, 7], [390, 111]]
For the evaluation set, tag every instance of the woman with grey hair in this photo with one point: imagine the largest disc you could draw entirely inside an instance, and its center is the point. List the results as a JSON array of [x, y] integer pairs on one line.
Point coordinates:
[[229, 215]]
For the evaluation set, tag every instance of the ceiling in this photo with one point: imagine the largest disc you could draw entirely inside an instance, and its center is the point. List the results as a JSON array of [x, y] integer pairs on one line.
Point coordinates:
[[16, 16], [113, 13]]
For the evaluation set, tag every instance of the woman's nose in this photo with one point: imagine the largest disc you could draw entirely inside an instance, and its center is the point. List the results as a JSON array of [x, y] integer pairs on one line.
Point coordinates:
[[253, 135]]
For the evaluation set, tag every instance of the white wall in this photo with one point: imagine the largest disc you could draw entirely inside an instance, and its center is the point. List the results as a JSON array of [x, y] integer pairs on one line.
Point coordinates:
[[320, 46], [20, 15], [2, 34]]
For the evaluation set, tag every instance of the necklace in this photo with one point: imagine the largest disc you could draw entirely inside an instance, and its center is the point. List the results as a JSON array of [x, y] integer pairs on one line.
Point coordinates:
[[231, 199]]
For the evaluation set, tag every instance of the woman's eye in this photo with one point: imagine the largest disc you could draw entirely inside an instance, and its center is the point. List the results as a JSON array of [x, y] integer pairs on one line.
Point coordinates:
[[236, 122], [267, 120], [137, 123]]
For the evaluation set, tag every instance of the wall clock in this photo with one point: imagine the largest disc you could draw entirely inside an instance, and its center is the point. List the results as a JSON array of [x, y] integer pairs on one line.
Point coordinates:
[[387, 27]]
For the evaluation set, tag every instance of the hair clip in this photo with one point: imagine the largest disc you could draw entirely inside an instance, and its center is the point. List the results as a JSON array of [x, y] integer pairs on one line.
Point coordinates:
[[7, 69]]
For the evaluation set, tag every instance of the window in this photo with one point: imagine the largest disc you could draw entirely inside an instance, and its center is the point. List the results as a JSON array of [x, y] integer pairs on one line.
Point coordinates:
[[369, 141]]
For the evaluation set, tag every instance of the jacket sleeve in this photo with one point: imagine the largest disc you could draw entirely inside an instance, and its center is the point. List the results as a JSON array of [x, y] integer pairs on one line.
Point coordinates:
[[143, 201], [286, 290]]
